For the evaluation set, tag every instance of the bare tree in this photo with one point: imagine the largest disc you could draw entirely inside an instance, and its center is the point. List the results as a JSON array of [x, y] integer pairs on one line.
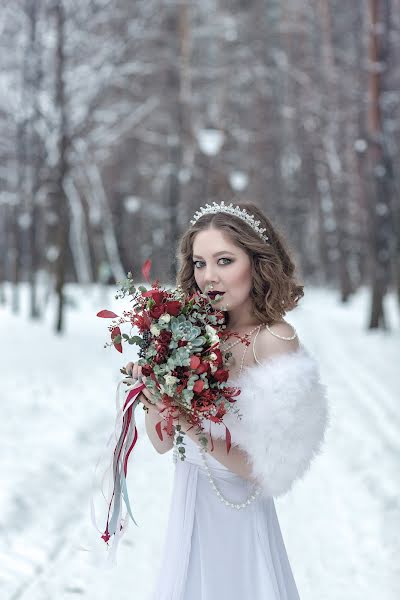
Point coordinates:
[[62, 208], [379, 164]]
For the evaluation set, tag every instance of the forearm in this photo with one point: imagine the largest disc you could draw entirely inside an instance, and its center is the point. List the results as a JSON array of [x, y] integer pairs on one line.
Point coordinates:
[[235, 461]]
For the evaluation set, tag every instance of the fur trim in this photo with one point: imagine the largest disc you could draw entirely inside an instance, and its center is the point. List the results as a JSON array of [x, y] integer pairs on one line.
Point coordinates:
[[285, 414]]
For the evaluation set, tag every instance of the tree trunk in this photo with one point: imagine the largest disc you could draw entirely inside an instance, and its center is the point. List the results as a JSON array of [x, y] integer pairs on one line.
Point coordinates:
[[379, 165], [179, 84], [34, 157], [63, 224]]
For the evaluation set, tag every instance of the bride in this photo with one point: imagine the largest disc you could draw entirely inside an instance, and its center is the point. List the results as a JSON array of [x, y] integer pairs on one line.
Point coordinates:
[[223, 538]]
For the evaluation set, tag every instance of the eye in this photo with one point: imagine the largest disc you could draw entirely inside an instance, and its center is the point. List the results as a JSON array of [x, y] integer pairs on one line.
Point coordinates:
[[222, 258]]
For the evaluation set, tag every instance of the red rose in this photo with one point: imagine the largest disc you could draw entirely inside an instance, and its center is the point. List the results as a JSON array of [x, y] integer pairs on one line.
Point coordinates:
[[146, 370], [157, 295], [157, 311], [173, 307], [165, 336]]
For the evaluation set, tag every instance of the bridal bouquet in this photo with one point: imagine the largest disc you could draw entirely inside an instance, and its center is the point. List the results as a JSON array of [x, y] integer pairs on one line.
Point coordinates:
[[179, 352]]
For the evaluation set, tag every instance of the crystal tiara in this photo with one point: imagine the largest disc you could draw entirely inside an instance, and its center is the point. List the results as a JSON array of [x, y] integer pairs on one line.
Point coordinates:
[[209, 209]]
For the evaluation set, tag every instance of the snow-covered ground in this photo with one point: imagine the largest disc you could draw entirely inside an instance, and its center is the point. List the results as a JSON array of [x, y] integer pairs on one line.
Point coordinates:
[[341, 524]]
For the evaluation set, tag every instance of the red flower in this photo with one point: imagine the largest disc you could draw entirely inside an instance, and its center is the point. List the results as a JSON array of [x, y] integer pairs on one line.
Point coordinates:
[[157, 311], [219, 359], [198, 386], [165, 336], [143, 322], [157, 295], [221, 375], [146, 370], [173, 307]]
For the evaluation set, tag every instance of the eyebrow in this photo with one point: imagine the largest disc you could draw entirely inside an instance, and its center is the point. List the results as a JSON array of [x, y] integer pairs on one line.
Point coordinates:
[[216, 253]]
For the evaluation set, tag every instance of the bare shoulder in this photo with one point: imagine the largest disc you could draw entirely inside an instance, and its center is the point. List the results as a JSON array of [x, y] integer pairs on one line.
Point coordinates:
[[269, 342]]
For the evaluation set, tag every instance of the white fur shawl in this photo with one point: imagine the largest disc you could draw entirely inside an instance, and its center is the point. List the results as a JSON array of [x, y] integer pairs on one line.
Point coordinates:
[[285, 414]]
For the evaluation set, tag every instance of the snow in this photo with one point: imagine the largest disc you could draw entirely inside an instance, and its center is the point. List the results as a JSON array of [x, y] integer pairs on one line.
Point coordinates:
[[210, 141], [238, 180], [340, 524]]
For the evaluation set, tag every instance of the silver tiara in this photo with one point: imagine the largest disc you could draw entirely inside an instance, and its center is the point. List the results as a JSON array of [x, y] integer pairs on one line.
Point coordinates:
[[209, 209]]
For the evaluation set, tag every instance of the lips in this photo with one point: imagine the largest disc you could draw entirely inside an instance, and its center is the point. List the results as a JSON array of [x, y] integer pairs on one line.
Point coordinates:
[[214, 293]]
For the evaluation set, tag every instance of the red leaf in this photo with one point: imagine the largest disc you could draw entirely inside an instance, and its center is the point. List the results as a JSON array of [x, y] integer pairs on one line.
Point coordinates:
[[170, 425], [228, 439], [158, 429], [146, 268], [114, 332], [107, 314]]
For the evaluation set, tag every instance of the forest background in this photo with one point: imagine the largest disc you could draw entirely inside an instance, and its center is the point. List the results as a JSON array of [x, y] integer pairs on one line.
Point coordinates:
[[118, 119]]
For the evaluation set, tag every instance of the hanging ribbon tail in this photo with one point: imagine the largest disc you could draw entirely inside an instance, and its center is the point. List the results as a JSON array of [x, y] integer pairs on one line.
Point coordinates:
[[126, 436]]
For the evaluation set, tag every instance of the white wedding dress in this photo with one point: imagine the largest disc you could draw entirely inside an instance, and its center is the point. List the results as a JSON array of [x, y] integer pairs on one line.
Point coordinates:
[[216, 552]]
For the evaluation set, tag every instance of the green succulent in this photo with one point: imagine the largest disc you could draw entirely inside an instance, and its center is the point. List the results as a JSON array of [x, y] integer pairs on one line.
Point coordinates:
[[183, 329]]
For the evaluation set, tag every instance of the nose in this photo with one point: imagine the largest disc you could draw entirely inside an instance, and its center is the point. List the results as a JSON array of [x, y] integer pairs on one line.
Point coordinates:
[[210, 277]]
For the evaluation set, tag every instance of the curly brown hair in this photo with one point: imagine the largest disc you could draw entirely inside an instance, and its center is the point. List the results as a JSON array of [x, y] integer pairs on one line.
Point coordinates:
[[274, 291]]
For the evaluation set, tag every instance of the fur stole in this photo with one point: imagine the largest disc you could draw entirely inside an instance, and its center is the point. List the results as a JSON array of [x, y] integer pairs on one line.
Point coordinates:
[[284, 416]]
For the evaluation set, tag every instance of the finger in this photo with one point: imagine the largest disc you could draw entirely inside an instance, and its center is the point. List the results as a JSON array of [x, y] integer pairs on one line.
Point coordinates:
[[128, 368], [149, 396]]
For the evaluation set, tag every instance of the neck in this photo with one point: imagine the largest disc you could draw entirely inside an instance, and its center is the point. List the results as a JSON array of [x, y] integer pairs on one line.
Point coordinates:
[[242, 317]]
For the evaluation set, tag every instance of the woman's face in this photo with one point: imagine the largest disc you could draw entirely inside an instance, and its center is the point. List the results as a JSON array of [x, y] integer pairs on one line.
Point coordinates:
[[218, 261]]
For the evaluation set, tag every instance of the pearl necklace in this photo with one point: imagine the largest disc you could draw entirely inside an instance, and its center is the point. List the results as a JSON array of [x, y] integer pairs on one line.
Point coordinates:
[[281, 336], [257, 489]]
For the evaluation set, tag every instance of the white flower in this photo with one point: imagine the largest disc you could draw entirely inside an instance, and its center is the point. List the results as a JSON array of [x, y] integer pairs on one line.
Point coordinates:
[[213, 356], [170, 379], [164, 318], [155, 330], [211, 332]]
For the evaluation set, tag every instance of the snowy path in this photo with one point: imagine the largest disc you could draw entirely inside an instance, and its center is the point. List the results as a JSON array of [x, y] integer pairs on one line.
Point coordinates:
[[340, 524]]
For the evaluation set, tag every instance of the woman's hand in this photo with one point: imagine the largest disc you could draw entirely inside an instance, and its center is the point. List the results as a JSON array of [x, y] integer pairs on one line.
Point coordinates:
[[155, 407], [152, 403]]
